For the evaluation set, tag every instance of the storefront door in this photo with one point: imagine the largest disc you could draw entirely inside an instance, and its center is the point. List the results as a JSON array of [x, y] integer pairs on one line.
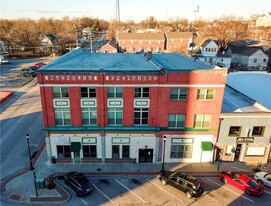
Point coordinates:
[[237, 152], [145, 155]]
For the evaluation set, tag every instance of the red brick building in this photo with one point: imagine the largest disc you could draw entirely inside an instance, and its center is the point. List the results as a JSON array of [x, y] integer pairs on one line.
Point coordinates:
[[104, 107], [176, 41], [138, 42]]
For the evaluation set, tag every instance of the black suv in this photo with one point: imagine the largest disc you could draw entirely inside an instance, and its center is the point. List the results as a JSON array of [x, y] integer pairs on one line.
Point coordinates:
[[78, 182], [191, 186]]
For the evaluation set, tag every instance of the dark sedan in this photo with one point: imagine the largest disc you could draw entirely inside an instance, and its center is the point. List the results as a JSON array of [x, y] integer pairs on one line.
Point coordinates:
[[78, 182], [190, 185]]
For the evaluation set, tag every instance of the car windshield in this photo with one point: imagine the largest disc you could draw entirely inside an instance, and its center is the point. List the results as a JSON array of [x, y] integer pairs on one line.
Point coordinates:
[[253, 183]]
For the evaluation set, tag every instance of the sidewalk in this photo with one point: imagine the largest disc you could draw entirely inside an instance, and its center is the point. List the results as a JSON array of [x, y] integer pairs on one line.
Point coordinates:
[[20, 188]]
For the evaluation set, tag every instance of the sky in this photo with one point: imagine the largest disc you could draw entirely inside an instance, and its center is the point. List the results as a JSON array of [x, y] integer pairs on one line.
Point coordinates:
[[136, 10]]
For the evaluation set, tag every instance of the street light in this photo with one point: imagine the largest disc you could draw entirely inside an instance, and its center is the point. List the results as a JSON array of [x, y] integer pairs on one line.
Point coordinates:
[[163, 164], [27, 139]]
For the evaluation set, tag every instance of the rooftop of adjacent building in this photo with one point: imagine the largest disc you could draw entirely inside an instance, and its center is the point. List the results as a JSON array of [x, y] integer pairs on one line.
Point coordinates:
[[247, 92], [85, 61]]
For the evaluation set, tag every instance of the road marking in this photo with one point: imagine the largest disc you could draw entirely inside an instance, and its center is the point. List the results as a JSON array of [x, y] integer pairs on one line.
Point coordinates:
[[268, 192], [130, 190], [239, 169], [83, 201], [207, 195], [230, 190], [103, 193], [165, 191]]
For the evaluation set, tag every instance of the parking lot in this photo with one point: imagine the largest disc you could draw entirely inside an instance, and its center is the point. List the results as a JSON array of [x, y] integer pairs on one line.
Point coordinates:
[[149, 191]]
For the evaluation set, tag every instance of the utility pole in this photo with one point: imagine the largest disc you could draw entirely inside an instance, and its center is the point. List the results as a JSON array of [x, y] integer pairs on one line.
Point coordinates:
[[117, 11]]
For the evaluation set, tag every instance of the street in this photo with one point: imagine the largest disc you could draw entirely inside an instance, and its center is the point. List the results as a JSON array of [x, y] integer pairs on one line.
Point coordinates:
[[19, 116]]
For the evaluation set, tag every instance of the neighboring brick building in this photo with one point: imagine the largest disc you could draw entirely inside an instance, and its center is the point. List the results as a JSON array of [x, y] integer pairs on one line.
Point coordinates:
[[176, 41], [104, 107], [108, 47], [138, 42]]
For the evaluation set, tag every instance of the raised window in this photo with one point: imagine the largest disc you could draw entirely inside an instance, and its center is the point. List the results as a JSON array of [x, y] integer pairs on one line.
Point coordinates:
[[141, 116], [89, 116], [89, 151], [235, 131], [63, 151], [62, 116], [60, 92], [181, 151], [178, 94], [142, 92], [114, 92], [258, 131], [114, 116], [88, 92], [205, 94], [202, 121], [176, 120]]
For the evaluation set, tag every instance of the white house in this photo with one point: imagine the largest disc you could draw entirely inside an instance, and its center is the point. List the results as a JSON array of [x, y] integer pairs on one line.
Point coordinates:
[[264, 20], [208, 52], [251, 57]]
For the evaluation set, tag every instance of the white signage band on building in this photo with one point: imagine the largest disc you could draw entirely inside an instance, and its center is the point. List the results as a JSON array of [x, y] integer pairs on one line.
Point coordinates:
[[136, 85]]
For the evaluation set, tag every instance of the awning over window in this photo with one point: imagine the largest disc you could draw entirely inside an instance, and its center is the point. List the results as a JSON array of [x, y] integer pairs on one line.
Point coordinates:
[[207, 146], [75, 146]]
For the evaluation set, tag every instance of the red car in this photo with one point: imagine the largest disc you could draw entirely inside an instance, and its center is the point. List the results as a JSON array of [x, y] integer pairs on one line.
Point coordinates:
[[39, 64], [243, 182]]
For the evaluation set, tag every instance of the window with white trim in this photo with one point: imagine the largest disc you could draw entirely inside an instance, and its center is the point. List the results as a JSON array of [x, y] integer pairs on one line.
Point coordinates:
[[89, 116], [60, 92], [176, 120], [178, 94], [88, 92], [202, 121], [142, 92], [141, 116], [62, 117], [205, 94], [115, 115]]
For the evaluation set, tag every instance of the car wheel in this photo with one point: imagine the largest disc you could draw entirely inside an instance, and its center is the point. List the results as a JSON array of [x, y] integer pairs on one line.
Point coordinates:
[[188, 195], [164, 182], [224, 180], [248, 192], [260, 182]]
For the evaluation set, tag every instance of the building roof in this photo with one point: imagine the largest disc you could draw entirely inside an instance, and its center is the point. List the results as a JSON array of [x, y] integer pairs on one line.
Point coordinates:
[[179, 34], [141, 36], [84, 61], [255, 85], [236, 102], [243, 50]]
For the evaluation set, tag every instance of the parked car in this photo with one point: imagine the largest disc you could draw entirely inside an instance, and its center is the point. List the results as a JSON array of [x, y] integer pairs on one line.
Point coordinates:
[[3, 60], [190, 185], [78, 182], [29, 73], [263, 178], [242, 182], [39, 64]]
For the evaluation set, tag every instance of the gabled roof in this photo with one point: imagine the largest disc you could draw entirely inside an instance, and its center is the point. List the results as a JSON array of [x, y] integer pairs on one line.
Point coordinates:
[[52, 37], [141, 36], [243, 50], [207, 41], [174, 35]]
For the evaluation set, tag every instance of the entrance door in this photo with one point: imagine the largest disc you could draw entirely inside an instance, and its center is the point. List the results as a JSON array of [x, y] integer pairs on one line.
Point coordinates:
[[237, 152], [76, 157], [145, 155]]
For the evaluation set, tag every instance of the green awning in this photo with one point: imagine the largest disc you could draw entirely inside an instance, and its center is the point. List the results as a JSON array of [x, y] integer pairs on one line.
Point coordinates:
[[206, 146], [75, 146]]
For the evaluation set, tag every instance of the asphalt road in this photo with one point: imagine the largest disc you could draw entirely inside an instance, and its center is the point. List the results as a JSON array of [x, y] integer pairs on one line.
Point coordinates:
[[19, 116]]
